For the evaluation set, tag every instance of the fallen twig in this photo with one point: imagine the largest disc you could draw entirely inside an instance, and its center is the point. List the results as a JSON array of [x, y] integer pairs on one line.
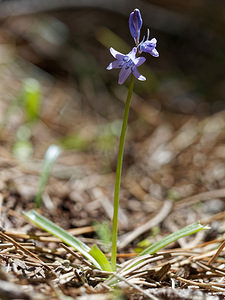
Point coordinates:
[[200, 197], [163, 213]]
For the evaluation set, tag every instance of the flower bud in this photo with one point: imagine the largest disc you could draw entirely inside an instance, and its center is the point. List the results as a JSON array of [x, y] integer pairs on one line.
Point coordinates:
[[135, 23]]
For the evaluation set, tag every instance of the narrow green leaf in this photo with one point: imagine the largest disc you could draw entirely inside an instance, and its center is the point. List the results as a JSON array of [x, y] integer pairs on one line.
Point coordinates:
[[60, 233], [188, 230], [100, 257]]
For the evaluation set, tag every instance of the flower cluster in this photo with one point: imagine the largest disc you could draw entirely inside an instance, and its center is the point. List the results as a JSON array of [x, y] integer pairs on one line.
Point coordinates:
[[128, 63]]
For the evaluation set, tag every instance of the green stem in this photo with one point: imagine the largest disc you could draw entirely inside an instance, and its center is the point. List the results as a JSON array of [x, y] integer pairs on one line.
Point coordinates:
[[118, 175]]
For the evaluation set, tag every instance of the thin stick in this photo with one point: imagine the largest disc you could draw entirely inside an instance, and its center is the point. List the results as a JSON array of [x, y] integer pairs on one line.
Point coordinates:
[[77, 256], [165, 210], [220, 193], [134, 286], [214, 257], [210, 286]]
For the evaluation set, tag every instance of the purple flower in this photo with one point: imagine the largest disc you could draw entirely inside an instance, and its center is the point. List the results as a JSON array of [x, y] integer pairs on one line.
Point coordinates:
[[135, 23], [149, 46], [128, 64]]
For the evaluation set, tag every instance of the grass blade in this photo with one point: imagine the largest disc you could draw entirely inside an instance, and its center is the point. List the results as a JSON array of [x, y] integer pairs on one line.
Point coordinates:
[[100, 257], [60, 233], [188, 230]]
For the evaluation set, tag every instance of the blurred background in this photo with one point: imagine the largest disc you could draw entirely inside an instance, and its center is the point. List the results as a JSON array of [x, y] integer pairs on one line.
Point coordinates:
[[69, 39]]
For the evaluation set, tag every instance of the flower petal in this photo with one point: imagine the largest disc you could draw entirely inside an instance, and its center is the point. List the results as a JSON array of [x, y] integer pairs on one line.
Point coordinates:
[[116, 54], [135, 23], [116, 64], [124, 73], [132, 53], [154, 53], [138, 75], [153, 42], [139, 61], [148, 44]]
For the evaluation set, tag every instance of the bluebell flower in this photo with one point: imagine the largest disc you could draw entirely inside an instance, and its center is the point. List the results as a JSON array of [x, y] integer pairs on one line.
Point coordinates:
[[149, 46], [128, 64], [135, 23]]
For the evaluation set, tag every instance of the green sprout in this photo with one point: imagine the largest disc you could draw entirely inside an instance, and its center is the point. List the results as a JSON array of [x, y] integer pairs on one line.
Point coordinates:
[[31, 99], [51, 155]]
